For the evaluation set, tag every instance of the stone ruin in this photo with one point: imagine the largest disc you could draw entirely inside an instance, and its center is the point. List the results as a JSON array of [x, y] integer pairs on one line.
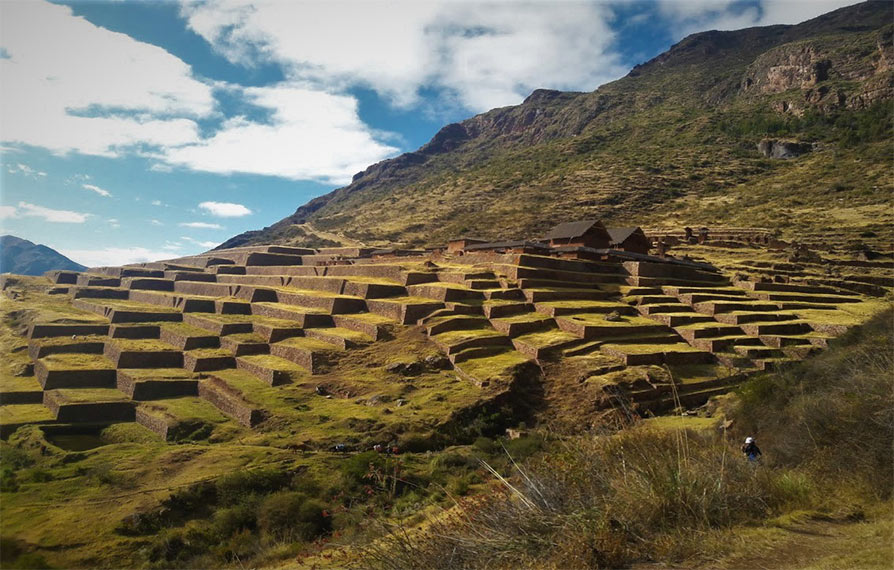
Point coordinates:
[[212, 326]]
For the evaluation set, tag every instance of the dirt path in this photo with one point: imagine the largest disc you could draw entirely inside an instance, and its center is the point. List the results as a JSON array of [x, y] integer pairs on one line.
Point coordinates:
[[804, 545], [345, 241]]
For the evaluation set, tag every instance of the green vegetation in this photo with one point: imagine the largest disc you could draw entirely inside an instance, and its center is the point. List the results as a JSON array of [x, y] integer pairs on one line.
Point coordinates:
[[679, 490]]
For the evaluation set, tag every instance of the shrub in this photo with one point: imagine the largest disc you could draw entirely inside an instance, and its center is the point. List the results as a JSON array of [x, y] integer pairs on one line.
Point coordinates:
[[229, 521], [31, 561], [486, 445], [236, 487], [524, 447], [8, 482], [357, 468], [288, 515]]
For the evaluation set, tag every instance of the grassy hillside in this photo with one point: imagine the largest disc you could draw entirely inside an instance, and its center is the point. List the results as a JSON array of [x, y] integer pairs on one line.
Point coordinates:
[[678, 490], [674, 142]]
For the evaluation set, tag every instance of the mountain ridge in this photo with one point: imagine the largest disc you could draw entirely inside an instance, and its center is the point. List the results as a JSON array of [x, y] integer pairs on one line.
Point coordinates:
[[703, 88], [24, 257]]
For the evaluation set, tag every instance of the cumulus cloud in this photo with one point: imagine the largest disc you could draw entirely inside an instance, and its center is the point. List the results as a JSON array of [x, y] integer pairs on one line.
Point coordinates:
[[48, 215], [201, 225], [225, 209], [8, 212], [89, 89], [312, 135], [485, 54], [113, 255], [155, 222], [97, 189]]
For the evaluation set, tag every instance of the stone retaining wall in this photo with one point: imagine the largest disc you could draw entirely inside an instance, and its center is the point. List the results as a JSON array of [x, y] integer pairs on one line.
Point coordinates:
[[230, 403]]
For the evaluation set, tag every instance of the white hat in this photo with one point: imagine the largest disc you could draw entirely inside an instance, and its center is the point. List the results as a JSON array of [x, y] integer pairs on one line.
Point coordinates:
[[749, 440]]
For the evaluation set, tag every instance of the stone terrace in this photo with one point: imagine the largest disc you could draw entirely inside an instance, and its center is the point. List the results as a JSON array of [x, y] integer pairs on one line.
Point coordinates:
[[220, 328]]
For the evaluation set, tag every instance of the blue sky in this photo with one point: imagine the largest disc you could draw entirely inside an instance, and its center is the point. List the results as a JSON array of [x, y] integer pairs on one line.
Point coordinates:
[[132, 131]]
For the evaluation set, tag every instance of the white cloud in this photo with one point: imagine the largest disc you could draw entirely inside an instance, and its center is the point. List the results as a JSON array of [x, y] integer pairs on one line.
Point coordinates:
[[205, 244], [486, 54], [225, 209], [690, 16], [24, 169], [158, 203], [114, 223], [68, 85], [201, 225], [113, 255], [797, 11], [8, 212], [156, 222], [99, 92], [313, 135], [49, 215], [97, 189]]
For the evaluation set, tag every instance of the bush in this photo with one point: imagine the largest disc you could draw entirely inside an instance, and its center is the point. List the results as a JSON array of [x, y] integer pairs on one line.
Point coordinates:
[[289, 516], [357, 467], [31, 561], [229, 521], [486, 445], [236, 487], [8, 482], [524, 447]]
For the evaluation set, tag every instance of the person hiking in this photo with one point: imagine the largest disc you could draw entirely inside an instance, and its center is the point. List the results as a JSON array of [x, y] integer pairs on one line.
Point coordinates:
[[751, 450]]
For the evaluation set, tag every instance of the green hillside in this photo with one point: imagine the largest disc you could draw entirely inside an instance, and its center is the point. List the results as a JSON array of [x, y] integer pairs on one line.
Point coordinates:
[[674, 142]]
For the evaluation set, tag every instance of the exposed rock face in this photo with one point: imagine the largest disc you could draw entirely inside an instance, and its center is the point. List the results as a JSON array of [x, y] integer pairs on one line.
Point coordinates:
[[788, 67], [26, 258], [802, 67], [775, 148]]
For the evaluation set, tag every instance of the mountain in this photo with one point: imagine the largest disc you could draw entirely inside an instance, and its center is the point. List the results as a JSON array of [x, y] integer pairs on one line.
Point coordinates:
[[22, 257], [787, 127]]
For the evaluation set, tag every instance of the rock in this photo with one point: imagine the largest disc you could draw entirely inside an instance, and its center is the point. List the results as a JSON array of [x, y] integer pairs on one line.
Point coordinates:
[[321, 390], [612, 317], [777, 148], [414, 369], [406, 368], [515, 433], [437, 362], [401, 402]]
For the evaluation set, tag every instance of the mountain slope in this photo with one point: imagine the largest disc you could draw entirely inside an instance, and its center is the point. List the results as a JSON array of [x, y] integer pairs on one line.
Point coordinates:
[[675, 141], [23, 257]]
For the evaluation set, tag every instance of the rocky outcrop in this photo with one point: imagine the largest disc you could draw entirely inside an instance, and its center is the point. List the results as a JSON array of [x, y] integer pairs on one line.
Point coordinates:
[[776, 148], [787, 67]]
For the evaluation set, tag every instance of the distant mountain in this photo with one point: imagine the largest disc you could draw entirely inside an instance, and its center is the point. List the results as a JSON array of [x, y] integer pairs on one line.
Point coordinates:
[[22, 257], [787, 127]]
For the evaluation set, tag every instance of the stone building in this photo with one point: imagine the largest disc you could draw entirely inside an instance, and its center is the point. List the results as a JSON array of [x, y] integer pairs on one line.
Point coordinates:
[[587, 233], [629, 239]]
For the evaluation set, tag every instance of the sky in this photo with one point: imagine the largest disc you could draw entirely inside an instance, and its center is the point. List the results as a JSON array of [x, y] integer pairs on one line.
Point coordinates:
[[139, 130]]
